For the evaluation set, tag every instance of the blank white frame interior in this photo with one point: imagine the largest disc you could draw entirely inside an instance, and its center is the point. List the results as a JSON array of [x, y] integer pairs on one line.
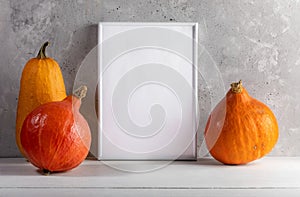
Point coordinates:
[[147, 91]]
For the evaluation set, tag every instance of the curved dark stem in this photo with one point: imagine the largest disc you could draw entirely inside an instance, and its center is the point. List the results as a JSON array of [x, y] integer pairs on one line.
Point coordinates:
[[42, 51]]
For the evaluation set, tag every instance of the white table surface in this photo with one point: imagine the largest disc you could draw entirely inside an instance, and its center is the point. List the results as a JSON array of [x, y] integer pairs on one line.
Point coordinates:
[[270, 176]]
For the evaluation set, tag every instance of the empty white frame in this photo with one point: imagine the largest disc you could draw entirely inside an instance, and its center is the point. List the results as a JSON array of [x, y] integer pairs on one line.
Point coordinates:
[[147, 91]]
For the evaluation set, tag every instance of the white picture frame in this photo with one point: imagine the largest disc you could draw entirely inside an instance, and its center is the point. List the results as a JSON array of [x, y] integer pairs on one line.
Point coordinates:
[[141, 116]]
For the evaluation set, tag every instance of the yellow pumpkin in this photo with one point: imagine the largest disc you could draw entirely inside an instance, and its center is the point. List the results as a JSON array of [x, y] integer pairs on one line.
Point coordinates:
[[41, 82]]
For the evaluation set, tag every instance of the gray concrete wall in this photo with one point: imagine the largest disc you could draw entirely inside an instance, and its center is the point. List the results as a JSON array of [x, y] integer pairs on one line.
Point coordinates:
[[257, 41]]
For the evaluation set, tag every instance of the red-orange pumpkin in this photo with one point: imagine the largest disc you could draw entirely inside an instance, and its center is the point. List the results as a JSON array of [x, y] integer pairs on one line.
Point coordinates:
[[55, 136], [240, 129]]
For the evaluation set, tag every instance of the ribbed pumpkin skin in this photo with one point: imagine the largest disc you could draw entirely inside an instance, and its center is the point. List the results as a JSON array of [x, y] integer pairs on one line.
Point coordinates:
[[55, 136], [240, 129], [41, 82]]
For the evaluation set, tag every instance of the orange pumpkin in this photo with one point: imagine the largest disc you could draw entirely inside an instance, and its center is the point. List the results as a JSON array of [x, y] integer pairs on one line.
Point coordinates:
[[55, 136], [41, 82], [240, 129]]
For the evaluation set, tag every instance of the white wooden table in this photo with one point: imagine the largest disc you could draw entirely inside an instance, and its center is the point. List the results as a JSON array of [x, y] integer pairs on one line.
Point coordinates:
[[270, 176]]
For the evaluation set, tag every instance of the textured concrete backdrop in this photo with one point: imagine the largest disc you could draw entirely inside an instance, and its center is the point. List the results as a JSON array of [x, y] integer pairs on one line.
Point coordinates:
[[257, 41]]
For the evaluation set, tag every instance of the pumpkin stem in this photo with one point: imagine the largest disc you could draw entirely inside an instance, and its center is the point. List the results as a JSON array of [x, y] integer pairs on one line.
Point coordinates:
[[237, 87], [46, 172], [80, 92], [42, 51]]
